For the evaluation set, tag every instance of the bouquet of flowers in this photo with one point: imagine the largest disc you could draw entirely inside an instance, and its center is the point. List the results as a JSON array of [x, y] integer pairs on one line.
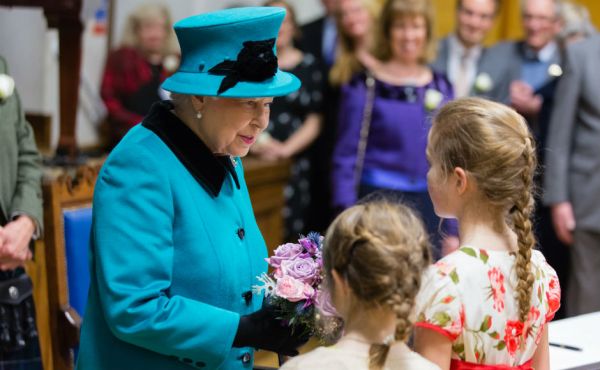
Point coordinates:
[[293, 287]]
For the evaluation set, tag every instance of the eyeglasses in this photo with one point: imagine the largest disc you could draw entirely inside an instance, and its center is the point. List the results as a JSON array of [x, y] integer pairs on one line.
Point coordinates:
[[527, 17]]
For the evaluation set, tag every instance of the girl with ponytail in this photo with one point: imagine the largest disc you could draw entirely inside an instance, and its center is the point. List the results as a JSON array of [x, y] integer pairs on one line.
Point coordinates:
[[487, 304], [374, 255]]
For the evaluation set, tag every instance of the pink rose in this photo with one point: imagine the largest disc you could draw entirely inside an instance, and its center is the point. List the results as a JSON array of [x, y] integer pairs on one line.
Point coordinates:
[[284, 252], [291, 289], [324, 303], [303, 269]]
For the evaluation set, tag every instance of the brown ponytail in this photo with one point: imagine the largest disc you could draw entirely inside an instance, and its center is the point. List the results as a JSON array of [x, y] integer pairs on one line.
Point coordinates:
[[521, 219]]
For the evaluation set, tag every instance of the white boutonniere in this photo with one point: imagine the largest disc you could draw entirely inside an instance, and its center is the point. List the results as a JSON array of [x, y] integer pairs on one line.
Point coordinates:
[[483, 82], [7, 86], [433, 99], [554, 70], [171, 63]]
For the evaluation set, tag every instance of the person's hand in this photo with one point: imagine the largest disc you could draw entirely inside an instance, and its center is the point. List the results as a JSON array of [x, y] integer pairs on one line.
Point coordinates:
[[563, 220], [14, 243], [450, 243], [524, 99], [270, 150], [263, 330]]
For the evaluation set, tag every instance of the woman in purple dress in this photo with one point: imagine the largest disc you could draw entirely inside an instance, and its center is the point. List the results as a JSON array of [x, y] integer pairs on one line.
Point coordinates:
[[405, 94]]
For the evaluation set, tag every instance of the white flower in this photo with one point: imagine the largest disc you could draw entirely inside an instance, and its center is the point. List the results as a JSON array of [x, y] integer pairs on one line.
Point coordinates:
[[268, 287], [433, 98], [483, 82], [7, 86], [554, 70], [170, 63]]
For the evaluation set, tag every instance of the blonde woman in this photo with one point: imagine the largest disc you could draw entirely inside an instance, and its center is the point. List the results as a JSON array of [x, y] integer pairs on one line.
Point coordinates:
[[134, 72], [487, 304], [356, 20], [373, 257]]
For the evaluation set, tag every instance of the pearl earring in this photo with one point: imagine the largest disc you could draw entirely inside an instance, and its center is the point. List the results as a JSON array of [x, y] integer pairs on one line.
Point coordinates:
[[199, 115]]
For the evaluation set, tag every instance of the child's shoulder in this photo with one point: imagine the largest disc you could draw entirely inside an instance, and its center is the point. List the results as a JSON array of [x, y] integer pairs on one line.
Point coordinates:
[[321, 358]]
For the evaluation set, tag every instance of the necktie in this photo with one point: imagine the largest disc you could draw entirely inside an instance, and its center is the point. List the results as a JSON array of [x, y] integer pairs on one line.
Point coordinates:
[[462, 84]]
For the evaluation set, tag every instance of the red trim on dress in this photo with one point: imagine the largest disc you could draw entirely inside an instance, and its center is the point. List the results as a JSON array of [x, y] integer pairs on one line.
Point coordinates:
[[436, 328], [464, 365]]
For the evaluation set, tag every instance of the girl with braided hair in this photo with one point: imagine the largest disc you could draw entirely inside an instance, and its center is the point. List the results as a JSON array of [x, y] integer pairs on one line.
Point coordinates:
[[373, 256], [486, 305]]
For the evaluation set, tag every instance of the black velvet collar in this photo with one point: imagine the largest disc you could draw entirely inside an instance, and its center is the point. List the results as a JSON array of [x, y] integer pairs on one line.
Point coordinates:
[[209, 170]]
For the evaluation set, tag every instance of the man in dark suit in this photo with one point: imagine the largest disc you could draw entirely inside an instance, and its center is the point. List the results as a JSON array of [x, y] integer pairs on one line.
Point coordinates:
[[572, 176], [319, 37], [472, 68]]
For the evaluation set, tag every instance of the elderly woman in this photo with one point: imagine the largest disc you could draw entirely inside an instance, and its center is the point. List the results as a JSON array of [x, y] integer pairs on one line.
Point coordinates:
[[384, 114], [134, 72], [175, 248]]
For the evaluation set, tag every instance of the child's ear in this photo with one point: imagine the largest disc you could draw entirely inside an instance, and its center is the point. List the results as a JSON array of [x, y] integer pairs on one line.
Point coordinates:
[[339, 282], [461, 180]]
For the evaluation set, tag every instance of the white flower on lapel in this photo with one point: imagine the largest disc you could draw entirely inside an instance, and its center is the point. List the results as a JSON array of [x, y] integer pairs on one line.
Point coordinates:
[[433, 98], [171, 63], [483, 82], [554, 70], [7, 86]]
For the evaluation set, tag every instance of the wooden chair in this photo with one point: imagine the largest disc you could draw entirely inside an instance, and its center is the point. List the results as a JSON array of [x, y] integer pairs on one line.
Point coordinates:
[[42, 128], [63, 194]]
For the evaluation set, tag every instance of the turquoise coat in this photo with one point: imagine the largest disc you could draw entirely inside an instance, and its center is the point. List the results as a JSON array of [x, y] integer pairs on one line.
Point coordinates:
[[175, 250]]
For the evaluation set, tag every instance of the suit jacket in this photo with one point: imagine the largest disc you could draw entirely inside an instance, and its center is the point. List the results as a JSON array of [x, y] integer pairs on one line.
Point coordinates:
[[492, 61], [573, 158], [312, 38], [175, 251], [20, 162]]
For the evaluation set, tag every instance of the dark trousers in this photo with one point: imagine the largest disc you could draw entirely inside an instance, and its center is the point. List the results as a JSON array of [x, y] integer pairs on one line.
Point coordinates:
[[557, 254]]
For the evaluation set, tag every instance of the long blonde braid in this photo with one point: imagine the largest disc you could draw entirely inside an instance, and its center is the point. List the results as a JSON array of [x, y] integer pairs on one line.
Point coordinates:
[[493, 144]]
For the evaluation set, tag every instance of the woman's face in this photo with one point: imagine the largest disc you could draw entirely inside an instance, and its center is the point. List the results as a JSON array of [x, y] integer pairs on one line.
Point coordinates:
[[354, 18], [152, 34], [231, 126], [286, 31], [408, 38]]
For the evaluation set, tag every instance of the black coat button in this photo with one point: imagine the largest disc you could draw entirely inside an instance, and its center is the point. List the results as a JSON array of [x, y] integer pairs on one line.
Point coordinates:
[[200, 364], [246, 357], [241, 233], [247, 296]]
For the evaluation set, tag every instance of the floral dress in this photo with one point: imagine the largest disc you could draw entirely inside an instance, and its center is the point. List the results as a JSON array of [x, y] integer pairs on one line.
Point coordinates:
[[470, 297]]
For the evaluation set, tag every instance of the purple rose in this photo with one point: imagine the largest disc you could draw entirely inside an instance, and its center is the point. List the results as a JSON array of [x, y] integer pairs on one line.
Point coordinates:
[[284, 252], [324, 303], [303, 269], [309, 245]]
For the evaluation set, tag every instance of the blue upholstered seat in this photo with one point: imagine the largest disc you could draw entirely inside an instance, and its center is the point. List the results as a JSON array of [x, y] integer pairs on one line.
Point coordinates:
[[78, 223]]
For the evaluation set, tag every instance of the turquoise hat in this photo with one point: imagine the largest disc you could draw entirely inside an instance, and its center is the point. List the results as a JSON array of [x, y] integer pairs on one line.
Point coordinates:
[[231, 53]]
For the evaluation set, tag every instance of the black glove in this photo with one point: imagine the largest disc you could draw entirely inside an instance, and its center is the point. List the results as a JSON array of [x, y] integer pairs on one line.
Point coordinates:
[[262, 330]]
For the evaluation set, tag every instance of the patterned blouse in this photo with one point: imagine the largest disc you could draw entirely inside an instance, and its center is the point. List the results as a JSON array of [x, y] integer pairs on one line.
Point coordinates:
[[469, 296]]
